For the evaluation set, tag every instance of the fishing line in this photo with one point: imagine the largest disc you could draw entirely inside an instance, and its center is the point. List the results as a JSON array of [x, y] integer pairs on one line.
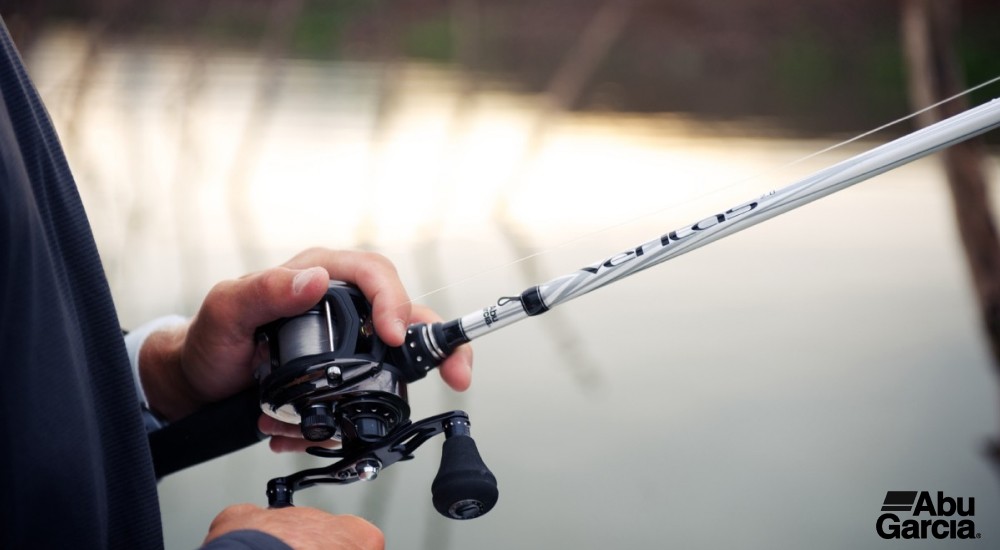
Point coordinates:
[[705, 195]]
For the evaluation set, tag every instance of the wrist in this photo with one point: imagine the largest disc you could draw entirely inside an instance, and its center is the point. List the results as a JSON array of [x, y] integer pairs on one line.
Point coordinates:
[[168, 392]]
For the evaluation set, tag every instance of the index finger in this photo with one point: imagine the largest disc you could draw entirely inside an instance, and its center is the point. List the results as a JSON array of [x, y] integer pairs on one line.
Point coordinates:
[[377, 278]]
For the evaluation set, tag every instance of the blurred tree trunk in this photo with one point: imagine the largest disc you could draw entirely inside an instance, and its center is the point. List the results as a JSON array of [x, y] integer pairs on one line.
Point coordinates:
[[934, 74]]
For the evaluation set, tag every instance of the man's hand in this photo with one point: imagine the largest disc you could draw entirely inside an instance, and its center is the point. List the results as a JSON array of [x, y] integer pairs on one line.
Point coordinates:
[[210, 358], [301, 528]]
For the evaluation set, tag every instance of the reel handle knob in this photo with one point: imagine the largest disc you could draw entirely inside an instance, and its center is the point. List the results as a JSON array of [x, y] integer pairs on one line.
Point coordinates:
[[464, 487], [279, 494]]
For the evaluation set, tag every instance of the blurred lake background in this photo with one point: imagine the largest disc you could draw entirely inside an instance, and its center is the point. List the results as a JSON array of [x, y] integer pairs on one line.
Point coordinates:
[[763, 392]]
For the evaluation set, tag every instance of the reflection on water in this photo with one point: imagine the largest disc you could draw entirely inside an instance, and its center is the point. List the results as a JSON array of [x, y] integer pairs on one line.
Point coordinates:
[[765, 391]]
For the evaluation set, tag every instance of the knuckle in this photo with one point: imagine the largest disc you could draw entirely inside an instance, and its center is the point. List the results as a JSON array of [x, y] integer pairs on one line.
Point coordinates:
[[377, 540], [386, 263], [231, 513], [264, 283], [221, 289], [314, 251], [375, 263], [307, 257], [377, 280], [215, 303], [371, 536]]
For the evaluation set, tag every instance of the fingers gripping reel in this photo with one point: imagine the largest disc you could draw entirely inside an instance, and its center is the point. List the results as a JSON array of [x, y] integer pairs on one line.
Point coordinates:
[[327, 371]]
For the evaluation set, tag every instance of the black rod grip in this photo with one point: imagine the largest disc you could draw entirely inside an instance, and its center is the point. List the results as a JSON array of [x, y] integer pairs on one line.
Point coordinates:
[[210, 432], [426, 346]]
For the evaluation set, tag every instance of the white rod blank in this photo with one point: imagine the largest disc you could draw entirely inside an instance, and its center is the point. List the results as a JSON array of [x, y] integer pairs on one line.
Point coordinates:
[[844, 174]]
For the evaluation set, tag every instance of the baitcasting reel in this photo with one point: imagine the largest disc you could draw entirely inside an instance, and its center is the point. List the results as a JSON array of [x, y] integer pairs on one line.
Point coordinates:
[[327, 371]]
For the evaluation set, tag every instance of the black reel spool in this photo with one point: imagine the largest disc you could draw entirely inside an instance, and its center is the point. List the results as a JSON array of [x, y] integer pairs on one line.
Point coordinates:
[[327, 371]]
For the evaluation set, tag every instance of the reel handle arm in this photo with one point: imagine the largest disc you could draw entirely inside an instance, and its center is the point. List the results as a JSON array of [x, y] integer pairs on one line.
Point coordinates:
[[464, 487]]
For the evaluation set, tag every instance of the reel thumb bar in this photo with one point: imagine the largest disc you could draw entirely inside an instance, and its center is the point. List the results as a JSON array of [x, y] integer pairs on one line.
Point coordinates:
[[427, 345]]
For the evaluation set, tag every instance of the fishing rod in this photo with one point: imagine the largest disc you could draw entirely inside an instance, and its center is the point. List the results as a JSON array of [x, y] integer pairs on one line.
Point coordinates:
[[428, 345], [327, 371]]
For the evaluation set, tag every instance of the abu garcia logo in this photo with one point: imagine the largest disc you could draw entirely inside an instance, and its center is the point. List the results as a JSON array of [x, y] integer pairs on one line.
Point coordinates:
[[937, 517]]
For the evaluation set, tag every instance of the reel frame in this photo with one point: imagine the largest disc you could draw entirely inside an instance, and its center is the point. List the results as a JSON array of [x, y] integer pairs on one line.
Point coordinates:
[[328, 371]]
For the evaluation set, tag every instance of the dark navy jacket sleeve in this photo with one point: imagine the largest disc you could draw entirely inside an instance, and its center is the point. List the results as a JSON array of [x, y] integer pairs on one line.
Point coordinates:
[[75, 466], [246, 540]]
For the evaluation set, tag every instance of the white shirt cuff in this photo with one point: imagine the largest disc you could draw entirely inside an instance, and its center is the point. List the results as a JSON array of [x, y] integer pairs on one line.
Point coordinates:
[[133, 343]]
